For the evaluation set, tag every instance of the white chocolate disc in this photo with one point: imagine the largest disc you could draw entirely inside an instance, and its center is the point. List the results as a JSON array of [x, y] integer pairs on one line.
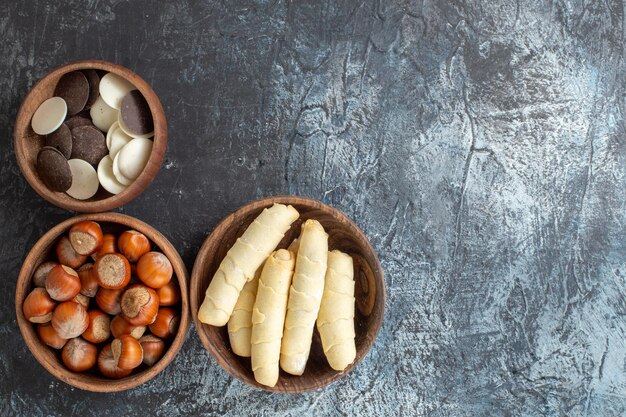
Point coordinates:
[[133, 157], [112, 129], [102, 115], [119, 139], [84, 180], [113, 88], [107, 178], [128, 132], [49, 116], [116, 172]]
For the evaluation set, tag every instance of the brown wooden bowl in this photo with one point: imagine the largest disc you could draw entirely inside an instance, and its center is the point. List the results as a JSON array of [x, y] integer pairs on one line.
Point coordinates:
[[27, 143], [48, 357], [343, 235]]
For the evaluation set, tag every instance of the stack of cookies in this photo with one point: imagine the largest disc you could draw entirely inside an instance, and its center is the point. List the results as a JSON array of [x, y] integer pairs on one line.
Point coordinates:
[[98, 129]]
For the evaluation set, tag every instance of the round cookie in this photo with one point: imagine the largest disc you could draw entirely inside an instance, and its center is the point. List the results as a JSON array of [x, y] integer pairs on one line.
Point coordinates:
[[88, 144], [74, 89], [133, 135], [78, 120], [112, 129], [119, 139], [133, 157], [93, 79], [53, 169], [61, 139], [113, 88], [116, 172], [107, 177], [84, 180], [102, 115], [49, 116], [135, 114]]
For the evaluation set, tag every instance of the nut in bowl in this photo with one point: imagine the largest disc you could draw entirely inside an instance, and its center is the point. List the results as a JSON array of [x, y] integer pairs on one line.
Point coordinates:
[[90, 136], [248, 330], [99, 324]]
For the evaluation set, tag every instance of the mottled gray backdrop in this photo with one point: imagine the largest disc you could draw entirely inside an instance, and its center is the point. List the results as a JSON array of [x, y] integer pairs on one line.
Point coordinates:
[[480, 145]]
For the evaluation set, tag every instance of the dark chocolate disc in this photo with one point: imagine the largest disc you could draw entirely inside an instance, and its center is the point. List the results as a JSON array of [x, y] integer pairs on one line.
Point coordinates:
[[135, 113], [61, 139], [78, 120], [53, 169], [74, 89], [88, 144], [94, 83]]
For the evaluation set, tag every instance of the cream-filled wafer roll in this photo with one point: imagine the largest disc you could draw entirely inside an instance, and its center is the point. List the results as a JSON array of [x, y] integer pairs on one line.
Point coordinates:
[[268, 316], [335, 321], [242, 261], [305, 296], [240, 322]]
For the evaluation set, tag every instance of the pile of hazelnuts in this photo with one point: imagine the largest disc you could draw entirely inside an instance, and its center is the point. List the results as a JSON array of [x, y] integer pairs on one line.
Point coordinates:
[[108, 302]]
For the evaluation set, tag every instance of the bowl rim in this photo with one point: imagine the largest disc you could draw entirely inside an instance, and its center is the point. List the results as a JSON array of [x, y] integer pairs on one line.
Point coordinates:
[[28, 331], [139, 184], [258, 204]]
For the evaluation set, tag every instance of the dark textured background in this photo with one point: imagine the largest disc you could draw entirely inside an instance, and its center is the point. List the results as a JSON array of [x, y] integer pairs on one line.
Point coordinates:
[[480, 146]]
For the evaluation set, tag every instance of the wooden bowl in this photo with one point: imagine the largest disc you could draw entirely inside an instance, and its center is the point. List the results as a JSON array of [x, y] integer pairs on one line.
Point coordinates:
[[27, 143], [343, 235], [50, 358]]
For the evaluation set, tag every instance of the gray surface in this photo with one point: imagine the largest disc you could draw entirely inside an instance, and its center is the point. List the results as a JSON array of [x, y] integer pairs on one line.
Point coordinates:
[[480, 147]]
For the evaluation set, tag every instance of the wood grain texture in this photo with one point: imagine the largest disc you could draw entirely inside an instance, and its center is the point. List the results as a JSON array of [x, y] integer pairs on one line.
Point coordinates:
[[26, 143], [49, 358], [344, 235]]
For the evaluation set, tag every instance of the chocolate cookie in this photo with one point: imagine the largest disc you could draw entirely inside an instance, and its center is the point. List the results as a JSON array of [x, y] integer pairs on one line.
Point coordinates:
[[94, 81], [53, 169], [78, 120], [135, 114], [88, 144], [74, 89], [61, 139]]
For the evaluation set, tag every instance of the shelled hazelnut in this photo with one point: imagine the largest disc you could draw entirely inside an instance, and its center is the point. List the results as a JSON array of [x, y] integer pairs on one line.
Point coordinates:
[[49, 336], [140, 305], [120, 327], [153, 349], [99, 329], [67, 255], [62, 283], [169, 294], [86, 237], [88, 281], [127, 352], [79, 355], [70, 319], [112, 271], [109, 300], [107, 365], [133, 245], [166, 323], [154, 269], [38, 306]]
